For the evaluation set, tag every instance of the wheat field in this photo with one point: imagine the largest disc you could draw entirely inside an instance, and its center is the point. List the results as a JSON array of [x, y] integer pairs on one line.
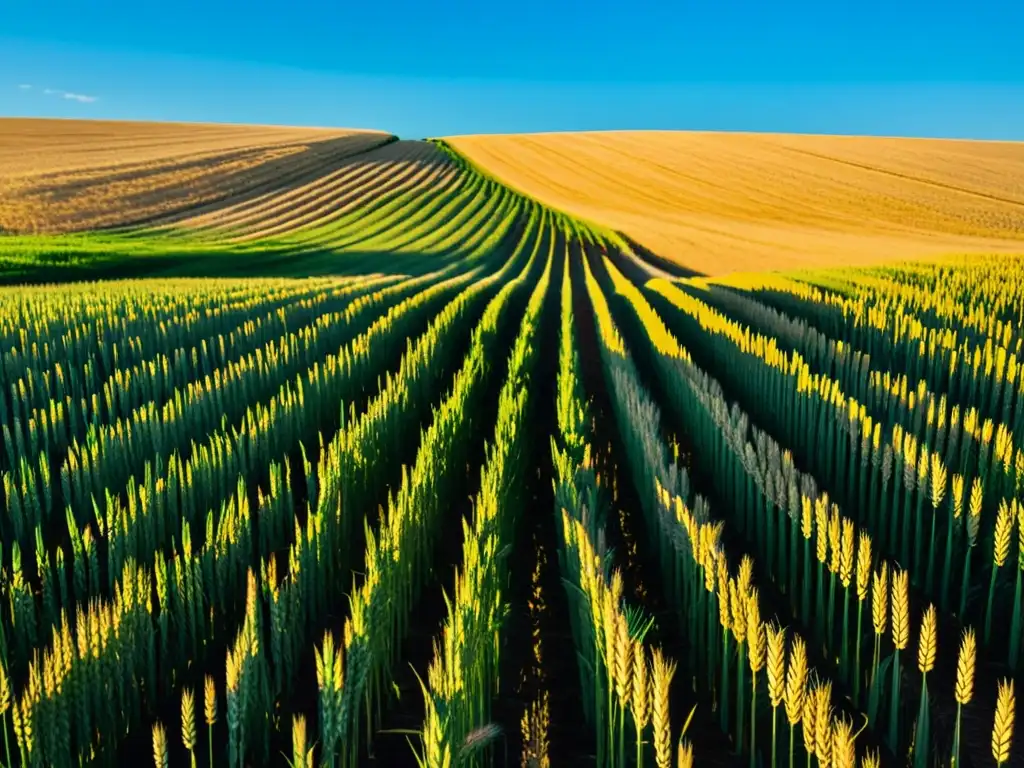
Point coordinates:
[[74, 175], [344, 452], [720, 202]]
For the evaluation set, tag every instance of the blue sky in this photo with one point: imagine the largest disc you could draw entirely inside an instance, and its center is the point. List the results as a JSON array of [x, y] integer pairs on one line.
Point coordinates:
[[907, 67]]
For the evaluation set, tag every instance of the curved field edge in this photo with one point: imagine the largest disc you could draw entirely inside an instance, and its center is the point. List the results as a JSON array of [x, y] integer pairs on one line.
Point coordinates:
[[718, 203]]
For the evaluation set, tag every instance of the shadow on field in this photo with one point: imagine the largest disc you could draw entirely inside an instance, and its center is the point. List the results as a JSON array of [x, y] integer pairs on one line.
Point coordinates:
[[72, 267], [659, 262]]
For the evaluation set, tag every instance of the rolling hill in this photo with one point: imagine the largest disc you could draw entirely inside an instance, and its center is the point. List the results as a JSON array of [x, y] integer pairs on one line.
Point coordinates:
[[719, 202]]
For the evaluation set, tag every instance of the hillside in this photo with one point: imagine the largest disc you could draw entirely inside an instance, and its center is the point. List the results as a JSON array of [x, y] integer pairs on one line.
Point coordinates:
[[718, 202], [74, 175]]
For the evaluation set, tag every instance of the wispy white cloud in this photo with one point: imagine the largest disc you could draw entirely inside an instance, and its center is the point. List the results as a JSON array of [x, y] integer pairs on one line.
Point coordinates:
[[25, 87], [79, 97]]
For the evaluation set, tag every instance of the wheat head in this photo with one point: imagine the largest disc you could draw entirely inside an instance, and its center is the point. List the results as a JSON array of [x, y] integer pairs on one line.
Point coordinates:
[[834, 535], [738, 606], [299, 739], [210, 701], [724, 615], [1002, 727], [745, 577], [863, 566], [810, 719], [755, 633], [821, 530], [188, 720], [664, 671], [796, 681], [844, 753], [1019, 509], [927, 641], [974, 518], [823, 725], [1003, 535], [776, 665], [870, 760], [684, 757], [846, 553], [938, 478], [965, 668], [159, 746], [900, 609], [641, 697], [5, 691], [623, 660], [958, 496], [880, 599]]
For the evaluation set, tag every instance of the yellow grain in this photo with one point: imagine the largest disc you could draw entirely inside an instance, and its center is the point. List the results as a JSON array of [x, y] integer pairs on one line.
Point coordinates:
[[965, 668], [1002, 727], [796, 681], [880, 599], [927, 644], [900, 609]]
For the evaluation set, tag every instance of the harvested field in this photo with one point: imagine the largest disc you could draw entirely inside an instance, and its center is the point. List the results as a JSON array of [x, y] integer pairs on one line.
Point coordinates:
[[718, 202], [74, 175]]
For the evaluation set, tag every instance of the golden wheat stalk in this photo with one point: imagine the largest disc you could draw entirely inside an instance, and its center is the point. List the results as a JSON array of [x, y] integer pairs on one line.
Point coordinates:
[[5, 691], [965, 668], [755, 633], [823, 725], [299, 741], [846, 553], [870, 760], [776, 665], [684, 758], [900, 609], [724, 615], [880, 599], [974, 510], [928, 641], [844, 753], [863, 566], [834, 540], [810, 719], [738, 606], [1003, 534], [641, 700], [159, 746], [745, 577], [796, 681], [1002, 727], [664, 671], [623, 660], [188, 720], [958, 496]]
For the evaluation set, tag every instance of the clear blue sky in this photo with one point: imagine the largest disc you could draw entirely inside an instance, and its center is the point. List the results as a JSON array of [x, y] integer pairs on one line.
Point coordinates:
[[892, 67]]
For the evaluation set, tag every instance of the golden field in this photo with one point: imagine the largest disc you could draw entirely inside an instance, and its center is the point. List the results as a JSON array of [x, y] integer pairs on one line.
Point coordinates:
[[69, 175], [719, 202]]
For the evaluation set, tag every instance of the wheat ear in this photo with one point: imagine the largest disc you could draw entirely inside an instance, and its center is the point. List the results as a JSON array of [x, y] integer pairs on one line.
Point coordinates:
[[900, 609], [796, 681], [965, 668], [928, 641], [663, 672], [188, 720], [1002, 727], [159, 746]]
